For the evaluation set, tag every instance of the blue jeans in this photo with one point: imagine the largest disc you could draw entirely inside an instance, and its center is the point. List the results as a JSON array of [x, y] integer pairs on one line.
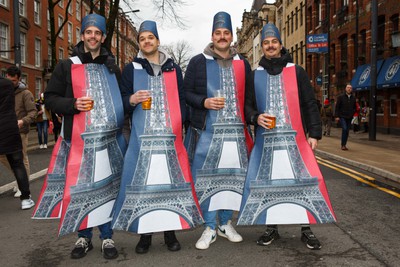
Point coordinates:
[[105, 232], [42, 131], [346, 124], [210, 217]]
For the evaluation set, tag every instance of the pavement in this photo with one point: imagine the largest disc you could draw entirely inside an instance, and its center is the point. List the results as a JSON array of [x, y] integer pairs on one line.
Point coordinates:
[[380, 157]]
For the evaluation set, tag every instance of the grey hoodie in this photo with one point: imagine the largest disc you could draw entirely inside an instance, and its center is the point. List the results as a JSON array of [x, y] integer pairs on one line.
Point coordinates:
[[223, 62], [164, 56]]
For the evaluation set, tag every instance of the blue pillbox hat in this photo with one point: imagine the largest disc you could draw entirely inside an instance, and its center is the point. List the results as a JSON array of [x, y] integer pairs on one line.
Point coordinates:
[[222, 20], [148, 26], [270, 30], [94, 20]]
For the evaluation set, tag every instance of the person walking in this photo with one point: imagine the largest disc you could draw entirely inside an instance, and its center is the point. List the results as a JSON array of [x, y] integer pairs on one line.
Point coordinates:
[[11, 143], [365, 117], [26, 115], [281, 105], [152, 90], [327, 117], [42, 122], [218, 141], [84, 89], [344, 111]]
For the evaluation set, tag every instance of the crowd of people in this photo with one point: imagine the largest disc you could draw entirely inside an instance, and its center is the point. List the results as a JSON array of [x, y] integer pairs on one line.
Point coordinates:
[[227, 110]]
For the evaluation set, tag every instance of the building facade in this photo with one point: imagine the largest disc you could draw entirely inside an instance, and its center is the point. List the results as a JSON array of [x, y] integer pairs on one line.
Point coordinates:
[[35, 45]]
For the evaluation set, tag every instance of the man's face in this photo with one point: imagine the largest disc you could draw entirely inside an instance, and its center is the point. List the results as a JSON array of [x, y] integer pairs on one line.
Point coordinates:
[[92, 39], [348, 89], [222, 39], [148, 43], [271, 47], [14, 79]]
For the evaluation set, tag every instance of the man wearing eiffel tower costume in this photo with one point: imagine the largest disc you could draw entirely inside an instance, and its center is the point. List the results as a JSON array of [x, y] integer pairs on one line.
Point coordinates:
[[218, 142], [156, 190], [284, 184]]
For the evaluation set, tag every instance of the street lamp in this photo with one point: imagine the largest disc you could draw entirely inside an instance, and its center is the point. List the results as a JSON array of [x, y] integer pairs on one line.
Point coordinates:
[[122, 13]]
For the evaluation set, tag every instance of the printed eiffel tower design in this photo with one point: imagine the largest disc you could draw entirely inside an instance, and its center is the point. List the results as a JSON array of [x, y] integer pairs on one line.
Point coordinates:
[[224, 169], [159, 189], [101, 166], [292, 184]]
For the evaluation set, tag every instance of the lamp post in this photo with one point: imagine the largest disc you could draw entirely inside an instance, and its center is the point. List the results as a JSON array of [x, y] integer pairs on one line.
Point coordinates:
[[17, 41], [122, 13]]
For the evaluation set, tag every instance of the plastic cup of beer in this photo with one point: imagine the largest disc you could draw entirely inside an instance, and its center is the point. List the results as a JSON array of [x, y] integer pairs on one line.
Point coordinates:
[[90, 102], [220, 95], [146, 105], [273, 120]]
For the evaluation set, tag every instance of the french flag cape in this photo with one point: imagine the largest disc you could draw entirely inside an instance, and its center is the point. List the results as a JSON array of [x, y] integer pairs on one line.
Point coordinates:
[[219, 154], [284, 184], [84, 174], [157, 192]]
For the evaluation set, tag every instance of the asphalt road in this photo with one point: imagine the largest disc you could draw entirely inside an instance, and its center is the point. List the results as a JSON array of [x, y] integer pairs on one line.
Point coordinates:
[[366, 234]]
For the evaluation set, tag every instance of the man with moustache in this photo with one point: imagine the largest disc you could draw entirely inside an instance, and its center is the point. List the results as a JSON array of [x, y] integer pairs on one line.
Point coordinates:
[[64, 95], [217, 141]]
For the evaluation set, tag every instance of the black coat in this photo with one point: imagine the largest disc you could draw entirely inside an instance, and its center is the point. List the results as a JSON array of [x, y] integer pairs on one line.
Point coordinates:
[[345, 106], [59, 96], [10, 140], [308, 104]]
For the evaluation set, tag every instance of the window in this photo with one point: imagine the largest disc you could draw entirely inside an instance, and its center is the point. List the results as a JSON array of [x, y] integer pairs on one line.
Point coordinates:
[[4, 3], [345, 2], [379, 105], [22, 37], [22, 8], [38, 52], [395, 22], [61, 4], [363, 37], [36, 11], [70, 8], [4, 40], [297, 54], [38, 87], [301, 13], [381, 35], [288, 25], [69, 32], [78, 35], [48, 20], [291, 23], [49, 55], [60, 53], [301, 53], [343, 48], [297, 18], [24, 78], [393, 105], [60, 22], [78, 10]]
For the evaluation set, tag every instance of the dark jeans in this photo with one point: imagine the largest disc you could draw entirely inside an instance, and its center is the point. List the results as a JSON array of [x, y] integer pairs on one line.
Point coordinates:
[[105, 232], [346, 124], [16, 161], [42, 131]]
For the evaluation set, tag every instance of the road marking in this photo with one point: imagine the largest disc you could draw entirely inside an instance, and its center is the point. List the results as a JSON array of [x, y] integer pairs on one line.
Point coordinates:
[[32, 177], [356, 175]]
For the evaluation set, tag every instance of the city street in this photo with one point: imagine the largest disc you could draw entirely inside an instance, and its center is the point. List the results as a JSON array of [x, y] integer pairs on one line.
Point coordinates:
[[366, 234]]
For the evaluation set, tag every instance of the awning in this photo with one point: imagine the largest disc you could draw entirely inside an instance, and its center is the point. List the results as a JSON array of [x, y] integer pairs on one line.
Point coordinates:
[[362, 78], [389, 76]]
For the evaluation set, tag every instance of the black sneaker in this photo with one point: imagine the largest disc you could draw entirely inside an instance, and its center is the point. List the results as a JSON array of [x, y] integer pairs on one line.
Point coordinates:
[[108, 249], [308, 237], [270, 235], [144, 244], [82, 246], [171, 241]]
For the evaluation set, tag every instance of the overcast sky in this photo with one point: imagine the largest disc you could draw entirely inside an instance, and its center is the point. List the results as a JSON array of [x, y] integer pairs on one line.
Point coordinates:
[[199, 16]]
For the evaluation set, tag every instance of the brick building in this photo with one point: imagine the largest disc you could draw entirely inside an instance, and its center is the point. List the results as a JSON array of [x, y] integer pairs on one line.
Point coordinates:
[[35, 38]]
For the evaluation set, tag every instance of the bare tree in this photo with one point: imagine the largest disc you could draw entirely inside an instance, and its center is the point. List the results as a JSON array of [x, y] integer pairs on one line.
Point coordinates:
[[53, 33], [181, 52]]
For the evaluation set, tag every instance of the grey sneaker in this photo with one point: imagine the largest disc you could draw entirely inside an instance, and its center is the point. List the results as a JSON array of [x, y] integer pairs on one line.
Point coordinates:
[[26, 204]]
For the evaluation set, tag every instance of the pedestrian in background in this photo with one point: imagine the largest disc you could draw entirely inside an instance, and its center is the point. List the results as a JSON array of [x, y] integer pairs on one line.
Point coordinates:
[[57, 122], [356, 118], [215, 87], [365, 117], [327, 117], [26, 114], [344, 111], [10, 142], [42, 122]]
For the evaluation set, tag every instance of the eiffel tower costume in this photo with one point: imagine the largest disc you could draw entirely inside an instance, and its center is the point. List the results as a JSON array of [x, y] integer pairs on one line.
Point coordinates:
[[283, 184], [156, 192]]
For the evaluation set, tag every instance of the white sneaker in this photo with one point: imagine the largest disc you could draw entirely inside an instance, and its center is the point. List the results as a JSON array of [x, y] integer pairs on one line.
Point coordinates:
[[41, 147], [45, 146], [229, 232], [17, 193], [209, 236], [26, 204]]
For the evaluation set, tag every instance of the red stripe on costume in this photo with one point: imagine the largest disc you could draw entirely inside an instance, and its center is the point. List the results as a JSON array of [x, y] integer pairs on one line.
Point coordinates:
[[239, 69], [311, 218], [50, 170], [184, 223], [75, 156], [84, 223], [176, 124], [292, 97]]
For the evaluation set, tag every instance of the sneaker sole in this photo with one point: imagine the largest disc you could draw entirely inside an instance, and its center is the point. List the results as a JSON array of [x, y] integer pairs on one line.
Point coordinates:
[[27, 207], [309, 246], [260, 243], [89, 248], [227, 237]]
